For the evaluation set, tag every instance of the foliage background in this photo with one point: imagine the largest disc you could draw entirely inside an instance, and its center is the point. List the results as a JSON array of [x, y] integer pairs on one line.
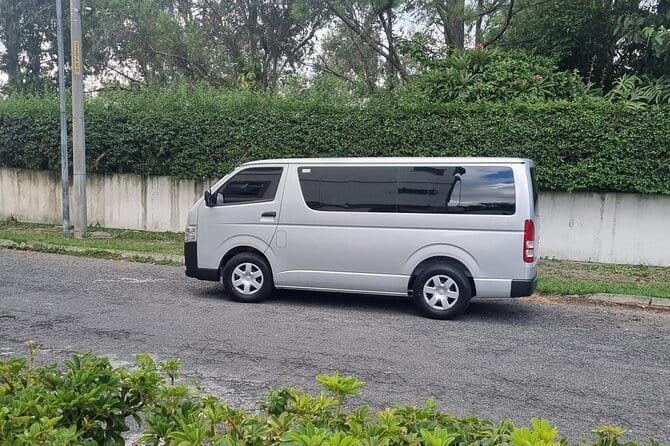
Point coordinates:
[[195, 133], [90, 402]]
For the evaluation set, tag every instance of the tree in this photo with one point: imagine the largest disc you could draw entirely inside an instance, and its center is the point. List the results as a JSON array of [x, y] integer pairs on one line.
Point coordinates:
[[133, 42], [446, 17], [645, 37], [158, 42], [346, 56], [373, 22], [264, 38], [26, 27], [578, 34]]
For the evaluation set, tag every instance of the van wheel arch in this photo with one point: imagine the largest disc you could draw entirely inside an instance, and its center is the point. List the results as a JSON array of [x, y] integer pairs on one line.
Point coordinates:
[[238, 250], [440, 260]]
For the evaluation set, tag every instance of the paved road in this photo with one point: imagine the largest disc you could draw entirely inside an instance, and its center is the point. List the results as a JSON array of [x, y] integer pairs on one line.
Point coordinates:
[[578, 365]]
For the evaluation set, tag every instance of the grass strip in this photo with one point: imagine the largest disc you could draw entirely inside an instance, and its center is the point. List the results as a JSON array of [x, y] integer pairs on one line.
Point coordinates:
[[100, 238], [570, 286], [607, 271], [154, 258]]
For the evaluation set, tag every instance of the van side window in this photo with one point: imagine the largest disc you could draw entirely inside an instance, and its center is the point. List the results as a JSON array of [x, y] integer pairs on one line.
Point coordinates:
[[485, 190], [350, 189], [250, 185], [456, 190]]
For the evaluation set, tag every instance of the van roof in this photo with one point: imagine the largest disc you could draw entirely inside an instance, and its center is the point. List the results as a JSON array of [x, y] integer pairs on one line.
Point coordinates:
[[392, 160]]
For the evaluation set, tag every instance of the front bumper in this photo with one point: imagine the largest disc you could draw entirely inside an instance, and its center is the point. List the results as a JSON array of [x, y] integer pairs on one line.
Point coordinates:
[[522, 288], [191, 262]]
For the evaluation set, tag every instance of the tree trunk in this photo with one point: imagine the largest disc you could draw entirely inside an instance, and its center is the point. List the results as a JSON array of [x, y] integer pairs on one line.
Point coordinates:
[[452, 15], [479, 39], [12, 28], [33, 51], [252, 24], [395, 67], [662, 9], [457, 23]]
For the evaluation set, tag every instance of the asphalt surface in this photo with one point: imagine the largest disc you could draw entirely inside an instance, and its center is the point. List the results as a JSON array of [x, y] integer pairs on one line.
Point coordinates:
[[577, 365]]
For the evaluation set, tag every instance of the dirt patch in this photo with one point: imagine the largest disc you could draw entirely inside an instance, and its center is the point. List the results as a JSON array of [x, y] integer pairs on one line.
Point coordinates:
[[586, 301]]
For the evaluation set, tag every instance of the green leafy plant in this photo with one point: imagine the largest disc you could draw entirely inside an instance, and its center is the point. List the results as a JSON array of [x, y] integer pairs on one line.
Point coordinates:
[[609, 435], [437, 437], [491, 75], [541, 434], [340, 386], [87, 402], [638, 91]]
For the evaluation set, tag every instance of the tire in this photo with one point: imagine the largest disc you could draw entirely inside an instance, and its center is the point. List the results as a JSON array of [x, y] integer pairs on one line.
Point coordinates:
[[452, 291], [247, 278]]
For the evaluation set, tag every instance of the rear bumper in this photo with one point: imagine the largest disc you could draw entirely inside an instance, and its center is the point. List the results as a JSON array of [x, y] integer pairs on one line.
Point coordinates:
[[522, 288], [191, 262]]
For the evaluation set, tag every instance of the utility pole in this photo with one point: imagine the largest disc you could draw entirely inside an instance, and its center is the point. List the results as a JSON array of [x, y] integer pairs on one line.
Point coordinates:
[[78, 146], [65, 199]]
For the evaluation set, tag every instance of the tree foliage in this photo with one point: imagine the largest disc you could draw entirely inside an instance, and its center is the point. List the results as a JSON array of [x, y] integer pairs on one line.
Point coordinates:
[[27, 32], [346, 57], [239, 43], [259, 44], [601, 40], [374, 22], [646, 32]]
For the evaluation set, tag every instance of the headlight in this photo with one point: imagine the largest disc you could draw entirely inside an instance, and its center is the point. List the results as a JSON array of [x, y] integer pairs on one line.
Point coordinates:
[[190, 234]]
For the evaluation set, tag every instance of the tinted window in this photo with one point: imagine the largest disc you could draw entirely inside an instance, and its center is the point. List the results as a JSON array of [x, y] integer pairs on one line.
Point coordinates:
[[255, 184], [420, 189], [534, 184], [456, 190], [355, 189]]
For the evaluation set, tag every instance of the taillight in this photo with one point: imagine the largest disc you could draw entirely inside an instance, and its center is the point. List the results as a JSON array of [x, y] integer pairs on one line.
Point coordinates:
[[528, 241]]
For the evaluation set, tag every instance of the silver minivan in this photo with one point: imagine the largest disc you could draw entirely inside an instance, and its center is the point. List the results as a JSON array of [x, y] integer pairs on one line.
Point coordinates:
[[441, 230]]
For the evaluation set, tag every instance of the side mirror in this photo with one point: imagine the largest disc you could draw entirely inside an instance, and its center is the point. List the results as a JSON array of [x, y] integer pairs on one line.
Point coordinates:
[[209, 199]]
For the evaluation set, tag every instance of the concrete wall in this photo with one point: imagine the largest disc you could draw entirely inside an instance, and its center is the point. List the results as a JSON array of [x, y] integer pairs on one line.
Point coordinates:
[[115, 201], [610, 228]]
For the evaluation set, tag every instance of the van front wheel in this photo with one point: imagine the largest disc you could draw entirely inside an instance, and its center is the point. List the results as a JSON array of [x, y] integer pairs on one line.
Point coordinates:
[[442, 291], [247, 278]]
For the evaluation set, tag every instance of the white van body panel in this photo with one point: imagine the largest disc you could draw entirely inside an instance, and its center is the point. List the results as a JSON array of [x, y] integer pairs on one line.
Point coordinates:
[[369, 252], [223, 228]]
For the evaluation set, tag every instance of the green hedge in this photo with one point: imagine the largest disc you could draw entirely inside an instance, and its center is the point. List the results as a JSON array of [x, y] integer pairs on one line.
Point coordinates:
[[89, 402], [587, 145]]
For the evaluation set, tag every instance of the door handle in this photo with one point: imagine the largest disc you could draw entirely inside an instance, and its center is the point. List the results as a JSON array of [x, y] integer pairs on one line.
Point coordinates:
[[269, 214]]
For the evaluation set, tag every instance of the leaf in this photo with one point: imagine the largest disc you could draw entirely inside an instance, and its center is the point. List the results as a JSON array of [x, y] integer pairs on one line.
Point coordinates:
[[341, 386]]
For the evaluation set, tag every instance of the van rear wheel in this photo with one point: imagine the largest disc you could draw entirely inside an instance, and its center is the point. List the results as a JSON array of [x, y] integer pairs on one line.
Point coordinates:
[[442, 291], [247, 278]]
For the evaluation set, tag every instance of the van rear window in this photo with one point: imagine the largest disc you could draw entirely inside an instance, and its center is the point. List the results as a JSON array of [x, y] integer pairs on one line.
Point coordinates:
[[485, 190], [534, 185], [456, 190]]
